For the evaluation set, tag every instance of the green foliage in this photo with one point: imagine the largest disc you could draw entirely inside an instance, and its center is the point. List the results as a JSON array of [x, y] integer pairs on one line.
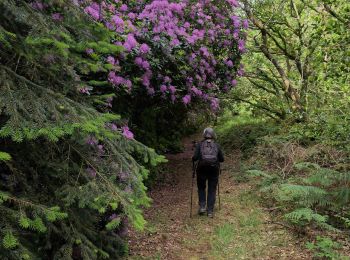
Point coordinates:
[[4, 156], [225, 234], [9, 241], [306, 216], [308, 185], [3, 197], [325, 248], [67, 167], [242, 131], [297, 63], [303, 195], [53, 214], [113, 224]]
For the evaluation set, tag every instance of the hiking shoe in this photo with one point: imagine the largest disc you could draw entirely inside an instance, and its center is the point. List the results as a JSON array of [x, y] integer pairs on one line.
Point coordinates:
[[202, 211], [210, 215]]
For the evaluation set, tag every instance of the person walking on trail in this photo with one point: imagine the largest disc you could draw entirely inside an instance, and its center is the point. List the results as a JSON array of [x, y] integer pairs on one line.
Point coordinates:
[[209, 156]]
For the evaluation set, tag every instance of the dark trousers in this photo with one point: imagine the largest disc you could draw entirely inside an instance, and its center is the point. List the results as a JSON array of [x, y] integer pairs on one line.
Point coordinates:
[[208, 175]]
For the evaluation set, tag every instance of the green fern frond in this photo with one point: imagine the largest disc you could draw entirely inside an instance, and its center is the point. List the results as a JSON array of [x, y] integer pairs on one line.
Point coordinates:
[[342, 195], [303, 195], [322, 177], [259, 173], [306, 166]]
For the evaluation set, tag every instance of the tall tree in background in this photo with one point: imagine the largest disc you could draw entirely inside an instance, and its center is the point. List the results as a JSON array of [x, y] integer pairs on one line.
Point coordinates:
[[298, 59]]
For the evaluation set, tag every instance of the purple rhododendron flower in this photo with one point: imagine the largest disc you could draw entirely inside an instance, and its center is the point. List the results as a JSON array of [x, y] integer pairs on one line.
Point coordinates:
[[138, 61], [245, 24], [204, 51], [241, 45], [123, 8], [57, 17], [172, 89], [234, 82], [156, 38], [240, 72], [38, 5], [234, 3], [175, 42], [128, 84], [187, 25], [89, 51], [111, 60], [229, 63], [163, 88], [127, 133], [93, 10], [186, 99], [115, 80], [144, 48], [236, 21], [214, 104], [84, 90], [109, 26], [196, 91], [130, 42], [167, 79], [114, 127], [91, 141], [118, 21], [145, 65], [145, 80], [132, 16], [209, 85]]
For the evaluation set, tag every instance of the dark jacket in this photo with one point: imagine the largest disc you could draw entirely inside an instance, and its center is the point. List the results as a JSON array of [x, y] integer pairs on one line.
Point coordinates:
[[197, 153]]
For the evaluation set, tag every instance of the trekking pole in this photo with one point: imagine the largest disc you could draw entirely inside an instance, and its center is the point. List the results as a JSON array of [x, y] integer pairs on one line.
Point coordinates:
[[219, 187], [193, 175]]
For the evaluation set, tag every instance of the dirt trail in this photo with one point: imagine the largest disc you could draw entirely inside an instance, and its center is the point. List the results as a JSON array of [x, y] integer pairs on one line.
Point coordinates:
[[238, 230]]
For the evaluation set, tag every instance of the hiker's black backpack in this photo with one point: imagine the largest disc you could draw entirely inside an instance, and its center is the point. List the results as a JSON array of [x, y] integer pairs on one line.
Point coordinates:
[[209, 153]]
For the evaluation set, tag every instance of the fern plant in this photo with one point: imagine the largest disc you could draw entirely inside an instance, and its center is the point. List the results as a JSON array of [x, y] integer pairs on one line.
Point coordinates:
[[326, 248], [317, 197]]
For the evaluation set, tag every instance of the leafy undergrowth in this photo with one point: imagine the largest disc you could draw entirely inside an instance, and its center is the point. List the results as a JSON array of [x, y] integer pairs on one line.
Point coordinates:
[[239, 230], [303, 182]]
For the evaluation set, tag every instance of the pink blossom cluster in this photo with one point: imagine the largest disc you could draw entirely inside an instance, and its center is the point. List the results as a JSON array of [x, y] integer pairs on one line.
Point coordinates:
[[199, 41]]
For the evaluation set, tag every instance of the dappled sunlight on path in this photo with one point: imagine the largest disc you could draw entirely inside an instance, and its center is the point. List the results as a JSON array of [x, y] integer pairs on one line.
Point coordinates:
[[238, 230]]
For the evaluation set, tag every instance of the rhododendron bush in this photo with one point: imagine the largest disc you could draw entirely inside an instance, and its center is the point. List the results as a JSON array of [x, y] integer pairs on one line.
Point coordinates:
[[182, 51]]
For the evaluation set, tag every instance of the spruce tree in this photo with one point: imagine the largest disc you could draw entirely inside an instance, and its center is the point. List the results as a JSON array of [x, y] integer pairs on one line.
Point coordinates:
[[70, 179]]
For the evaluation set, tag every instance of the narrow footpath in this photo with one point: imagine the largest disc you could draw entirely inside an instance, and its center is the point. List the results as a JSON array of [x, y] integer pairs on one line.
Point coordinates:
[[239, 230]]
